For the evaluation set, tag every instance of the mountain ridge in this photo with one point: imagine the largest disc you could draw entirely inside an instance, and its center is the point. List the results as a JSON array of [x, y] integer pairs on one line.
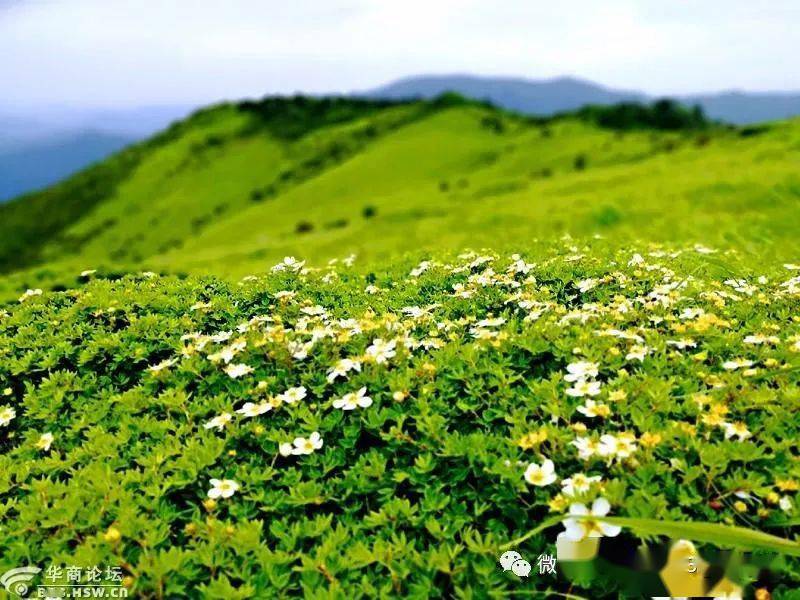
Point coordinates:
[[565, 93], [237, 186]]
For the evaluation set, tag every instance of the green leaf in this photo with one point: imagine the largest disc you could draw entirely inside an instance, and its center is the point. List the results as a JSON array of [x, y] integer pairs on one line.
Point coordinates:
[[711, 533]]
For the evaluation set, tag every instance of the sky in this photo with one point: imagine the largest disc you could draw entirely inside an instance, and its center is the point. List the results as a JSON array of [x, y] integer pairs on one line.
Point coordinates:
[[125, 53]]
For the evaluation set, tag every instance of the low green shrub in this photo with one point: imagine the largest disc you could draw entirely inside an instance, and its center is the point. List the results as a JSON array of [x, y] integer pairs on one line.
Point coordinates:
[[387, 434]]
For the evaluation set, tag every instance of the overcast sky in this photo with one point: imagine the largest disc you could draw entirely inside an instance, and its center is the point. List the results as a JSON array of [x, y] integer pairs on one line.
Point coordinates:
[[141, 52]]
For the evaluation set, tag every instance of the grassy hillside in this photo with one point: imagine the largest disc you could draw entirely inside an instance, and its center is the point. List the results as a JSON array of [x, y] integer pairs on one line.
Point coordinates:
[[239, 186], [389, 412]]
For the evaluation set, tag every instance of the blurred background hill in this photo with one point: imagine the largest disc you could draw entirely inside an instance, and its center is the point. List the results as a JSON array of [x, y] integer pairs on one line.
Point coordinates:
[[38, 148]]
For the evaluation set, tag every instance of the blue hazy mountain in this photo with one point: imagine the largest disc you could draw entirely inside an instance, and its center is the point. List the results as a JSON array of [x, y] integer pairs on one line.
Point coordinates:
[[542, 97], [30, 164], [549, 96], [42, 145]]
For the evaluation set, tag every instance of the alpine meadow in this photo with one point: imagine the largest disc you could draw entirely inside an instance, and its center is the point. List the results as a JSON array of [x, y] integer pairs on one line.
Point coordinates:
[[334, 347]]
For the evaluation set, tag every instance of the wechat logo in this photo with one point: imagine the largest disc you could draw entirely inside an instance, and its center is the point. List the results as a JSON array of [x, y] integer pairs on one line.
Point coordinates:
[[513, 561], [16, 581]]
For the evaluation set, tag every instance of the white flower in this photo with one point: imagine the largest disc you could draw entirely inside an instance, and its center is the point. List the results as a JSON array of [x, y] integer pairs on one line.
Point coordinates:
[[228, 353], [343, 367], [88, 272], [496, 322], [621, 446], [44, 442], [420, 269], [292, 395], [736, 429], [594, 409], [285, 449], [6, 415], [786, 504], [307, 446], [222, 488], [237, 370], [682, 344], [761, 339], [253, 410], [541, 475], [636, 261], [581, 523], [380, 350], [584, 388], [737, 363], [162, 366], [299, 350], [289, 263], [637, 353], [578, 484], [587, 447], [587, 284], [219, 422], [30, 294], [353, 400], [581, 371]]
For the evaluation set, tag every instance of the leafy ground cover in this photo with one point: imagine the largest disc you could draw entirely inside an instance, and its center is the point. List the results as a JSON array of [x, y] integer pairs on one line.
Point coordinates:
[[366, 431]]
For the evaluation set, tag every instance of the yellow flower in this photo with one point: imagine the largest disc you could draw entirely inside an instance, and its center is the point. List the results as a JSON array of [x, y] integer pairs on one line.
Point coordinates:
[[617, 395], [740, 506], [531, 440], [713, 420], [558, 503], [719, 409], [787, 485], [650, 440], [112, 535]]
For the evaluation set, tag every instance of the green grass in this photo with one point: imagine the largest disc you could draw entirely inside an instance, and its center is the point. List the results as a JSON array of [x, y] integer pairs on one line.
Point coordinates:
[[415, 494], [642, 231], [222, 193]]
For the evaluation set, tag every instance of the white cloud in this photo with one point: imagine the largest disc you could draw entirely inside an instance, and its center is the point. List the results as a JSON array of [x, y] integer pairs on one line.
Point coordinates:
[[149, 51]]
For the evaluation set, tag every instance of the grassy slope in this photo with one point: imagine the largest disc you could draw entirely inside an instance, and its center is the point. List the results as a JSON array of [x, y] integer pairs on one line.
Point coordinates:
[[734, 190], [437, 177]]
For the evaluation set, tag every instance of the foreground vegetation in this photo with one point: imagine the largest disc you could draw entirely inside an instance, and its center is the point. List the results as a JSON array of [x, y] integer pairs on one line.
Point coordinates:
[[357, 431], [388, 423]]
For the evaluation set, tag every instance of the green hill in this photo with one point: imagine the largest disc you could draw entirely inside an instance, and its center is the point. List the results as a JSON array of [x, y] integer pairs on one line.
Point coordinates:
[[236, 187], [180, 400]]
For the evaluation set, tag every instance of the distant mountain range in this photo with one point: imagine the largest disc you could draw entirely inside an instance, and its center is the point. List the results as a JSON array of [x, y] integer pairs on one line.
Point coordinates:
[[42, 147], [549, 96], [42, 162]]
